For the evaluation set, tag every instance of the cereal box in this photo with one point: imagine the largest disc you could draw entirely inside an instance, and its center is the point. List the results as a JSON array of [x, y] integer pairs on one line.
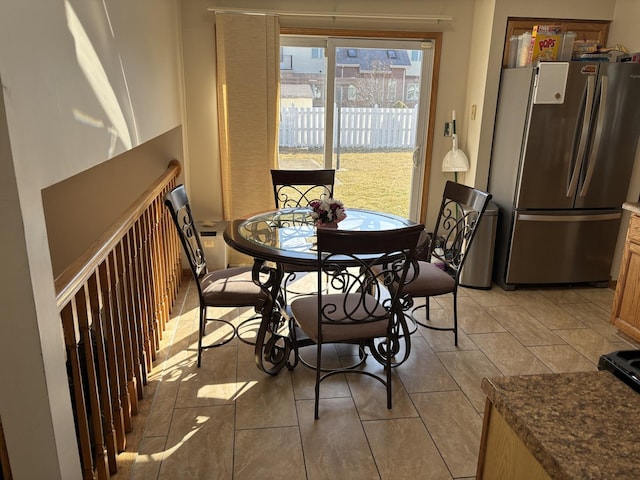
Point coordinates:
[[545, 43]]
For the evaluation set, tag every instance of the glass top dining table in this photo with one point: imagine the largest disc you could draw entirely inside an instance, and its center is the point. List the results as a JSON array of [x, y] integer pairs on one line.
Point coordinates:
[[288, 236]]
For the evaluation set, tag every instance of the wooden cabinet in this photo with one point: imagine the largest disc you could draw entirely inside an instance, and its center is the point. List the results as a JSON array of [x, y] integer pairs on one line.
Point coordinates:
[[562, 425], [625, 313], [503, 456], [584, 29]]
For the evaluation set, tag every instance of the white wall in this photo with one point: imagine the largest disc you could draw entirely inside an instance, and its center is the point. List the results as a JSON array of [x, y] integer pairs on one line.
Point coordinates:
[[82, 82], [202, 172]]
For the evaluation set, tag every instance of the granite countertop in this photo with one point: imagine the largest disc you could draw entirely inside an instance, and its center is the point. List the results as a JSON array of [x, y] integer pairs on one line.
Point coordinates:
[[633, 207], [577, 425]]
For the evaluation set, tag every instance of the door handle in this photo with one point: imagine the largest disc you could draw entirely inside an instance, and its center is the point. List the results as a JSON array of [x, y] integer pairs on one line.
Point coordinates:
[[584, 136], [593, 154], [416, 157], [527, 217]]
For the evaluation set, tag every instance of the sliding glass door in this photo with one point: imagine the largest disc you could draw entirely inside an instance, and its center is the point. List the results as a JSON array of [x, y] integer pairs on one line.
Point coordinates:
[[374, 129]]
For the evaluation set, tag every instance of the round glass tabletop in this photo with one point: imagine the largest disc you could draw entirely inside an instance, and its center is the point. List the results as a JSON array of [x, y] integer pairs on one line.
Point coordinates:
[[289, 235]]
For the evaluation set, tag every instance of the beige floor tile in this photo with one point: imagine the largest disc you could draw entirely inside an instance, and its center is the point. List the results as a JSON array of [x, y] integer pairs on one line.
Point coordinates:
[[508, 354], [246, 352], [589, 343], [149, 458], [623, 337], [403, 449], [423, 371], [438, 317], [468, 369], [562, 358], [335, 445], [562, 295], [440, 340], [370, 396], [524, 326], [268, 453], [331, 354], [488, 298], [443, 341], [214, 383], [250, 321], [158, 422], [600, 296], [472, 318], [304, 380], [455, 427], [229, 420], [595, 317], [264, 400], [199, 444], [546, 312]]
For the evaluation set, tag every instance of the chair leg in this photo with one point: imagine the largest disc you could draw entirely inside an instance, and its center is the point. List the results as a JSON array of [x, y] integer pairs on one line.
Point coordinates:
[[294, 342], [433, 327], [283, 288], [426, 307], [317, 390], [455, 318], [203, 322], [387, 368]]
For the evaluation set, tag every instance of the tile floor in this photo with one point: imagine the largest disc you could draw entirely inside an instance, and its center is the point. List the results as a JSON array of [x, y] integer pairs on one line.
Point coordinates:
[[227, 420]]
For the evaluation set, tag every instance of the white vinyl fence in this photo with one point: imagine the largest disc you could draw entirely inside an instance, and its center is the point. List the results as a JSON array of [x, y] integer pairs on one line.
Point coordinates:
[[372, 128]]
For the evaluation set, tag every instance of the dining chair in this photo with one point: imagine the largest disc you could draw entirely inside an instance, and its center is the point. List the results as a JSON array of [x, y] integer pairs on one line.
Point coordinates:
[[298, 188], [353, 303], [440, 264], [230, 287], [295, 189]]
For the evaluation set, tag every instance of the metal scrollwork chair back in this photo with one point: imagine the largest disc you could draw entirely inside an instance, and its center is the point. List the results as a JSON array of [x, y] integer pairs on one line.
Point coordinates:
[[297, 189], [354, 303], [231, 287], [441, 263]]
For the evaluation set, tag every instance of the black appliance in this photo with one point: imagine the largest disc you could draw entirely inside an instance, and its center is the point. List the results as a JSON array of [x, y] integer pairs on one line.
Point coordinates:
[[624, 364]]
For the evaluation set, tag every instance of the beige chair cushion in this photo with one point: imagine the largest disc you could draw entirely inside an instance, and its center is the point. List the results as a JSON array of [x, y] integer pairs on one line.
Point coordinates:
[[430, 281], [230, 287], [305, 311]]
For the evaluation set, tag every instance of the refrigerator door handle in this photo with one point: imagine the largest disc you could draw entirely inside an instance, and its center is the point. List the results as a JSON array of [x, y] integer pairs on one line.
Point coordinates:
[[597, 137], [584, 137], [569, 218]]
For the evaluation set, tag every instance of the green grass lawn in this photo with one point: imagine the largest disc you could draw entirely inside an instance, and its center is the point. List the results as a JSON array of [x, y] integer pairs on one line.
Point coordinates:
[[376, 180]]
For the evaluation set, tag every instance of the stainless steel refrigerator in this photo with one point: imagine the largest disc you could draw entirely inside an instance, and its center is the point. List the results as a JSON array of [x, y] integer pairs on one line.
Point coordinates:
[[563, 151]]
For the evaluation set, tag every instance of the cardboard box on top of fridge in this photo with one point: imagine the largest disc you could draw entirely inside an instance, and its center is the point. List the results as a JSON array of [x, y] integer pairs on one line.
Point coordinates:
[[545, 43]]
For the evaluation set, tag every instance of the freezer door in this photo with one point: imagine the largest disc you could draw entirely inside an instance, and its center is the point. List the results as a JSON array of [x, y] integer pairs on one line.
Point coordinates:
[[548, 169], [562, 247], [604, 179]]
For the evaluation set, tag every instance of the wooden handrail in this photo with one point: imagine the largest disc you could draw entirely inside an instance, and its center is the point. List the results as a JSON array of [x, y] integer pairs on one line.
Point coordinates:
[[114, 302], [74, 276]]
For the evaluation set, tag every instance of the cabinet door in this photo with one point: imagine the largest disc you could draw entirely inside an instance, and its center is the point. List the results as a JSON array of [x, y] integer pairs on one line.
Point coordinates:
[[585, 30], [626, 304], [503, 456]]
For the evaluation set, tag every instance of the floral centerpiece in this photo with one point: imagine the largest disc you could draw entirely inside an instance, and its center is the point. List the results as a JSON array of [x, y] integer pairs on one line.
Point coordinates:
[[327, 212]]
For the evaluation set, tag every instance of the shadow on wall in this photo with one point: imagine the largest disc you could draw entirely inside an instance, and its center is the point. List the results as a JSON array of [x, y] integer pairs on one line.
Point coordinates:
[[79, 209]]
